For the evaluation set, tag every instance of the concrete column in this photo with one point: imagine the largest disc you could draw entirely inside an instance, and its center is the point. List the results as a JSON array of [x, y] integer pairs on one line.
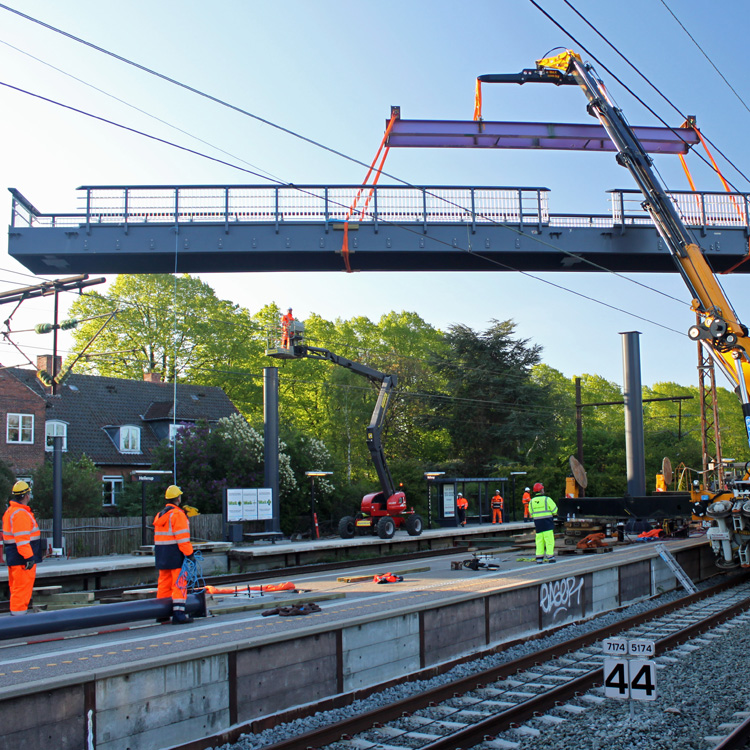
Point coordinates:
[[633, 397], [271, 441]]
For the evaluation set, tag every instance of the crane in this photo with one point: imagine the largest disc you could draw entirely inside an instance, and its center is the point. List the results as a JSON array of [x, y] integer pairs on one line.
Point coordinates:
[[718, 329]]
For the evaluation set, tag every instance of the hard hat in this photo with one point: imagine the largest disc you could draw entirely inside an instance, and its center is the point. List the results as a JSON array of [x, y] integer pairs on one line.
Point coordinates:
[[497, 492], [20, 488], [538, 487], [460, 495], [526, 489], [289, 309], [172, 492]]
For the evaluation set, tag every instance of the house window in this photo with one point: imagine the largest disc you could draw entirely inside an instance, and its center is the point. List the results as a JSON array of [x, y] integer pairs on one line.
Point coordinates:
[[130, 439], [111, 490], [173, 431], [20, 428], [56, 429]]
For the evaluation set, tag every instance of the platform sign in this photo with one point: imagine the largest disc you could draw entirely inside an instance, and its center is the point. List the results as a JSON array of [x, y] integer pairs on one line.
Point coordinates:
[[234, 506], [250, 504], [449, 501], [265, 504]]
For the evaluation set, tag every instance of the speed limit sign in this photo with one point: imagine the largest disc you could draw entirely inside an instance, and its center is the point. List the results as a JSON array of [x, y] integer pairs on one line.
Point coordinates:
[[630, 678]]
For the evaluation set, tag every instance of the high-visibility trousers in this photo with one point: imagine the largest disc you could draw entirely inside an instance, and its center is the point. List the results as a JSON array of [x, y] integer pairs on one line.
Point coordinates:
[[526, 513], [545, 543], [21, 583], [497, 515], [168, 587]]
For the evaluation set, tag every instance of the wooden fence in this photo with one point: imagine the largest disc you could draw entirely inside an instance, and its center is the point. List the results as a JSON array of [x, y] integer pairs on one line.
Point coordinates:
[[92, 537]]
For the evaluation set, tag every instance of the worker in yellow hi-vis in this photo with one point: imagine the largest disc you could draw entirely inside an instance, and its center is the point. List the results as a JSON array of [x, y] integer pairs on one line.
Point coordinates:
[[542, 510]]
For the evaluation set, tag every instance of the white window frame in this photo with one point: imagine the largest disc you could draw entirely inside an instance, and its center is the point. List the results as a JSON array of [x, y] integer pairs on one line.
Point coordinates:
[[19, 418], [116, 486], [49, 434], [129, 435]]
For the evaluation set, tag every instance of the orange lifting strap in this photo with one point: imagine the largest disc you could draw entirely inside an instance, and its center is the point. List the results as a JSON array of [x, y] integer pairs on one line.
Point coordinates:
[[353, 207], [478, 101], [737, 207]]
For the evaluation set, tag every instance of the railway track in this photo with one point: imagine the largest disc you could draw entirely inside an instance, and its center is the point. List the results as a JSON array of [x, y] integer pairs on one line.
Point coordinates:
[[527, 697]]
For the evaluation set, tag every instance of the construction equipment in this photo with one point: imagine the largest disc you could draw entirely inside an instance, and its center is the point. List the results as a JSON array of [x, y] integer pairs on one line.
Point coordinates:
[[717, 330], [380, 512]]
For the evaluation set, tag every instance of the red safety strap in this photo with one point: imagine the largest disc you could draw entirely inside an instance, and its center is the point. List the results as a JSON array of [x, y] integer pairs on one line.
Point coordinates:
[[353, 207]]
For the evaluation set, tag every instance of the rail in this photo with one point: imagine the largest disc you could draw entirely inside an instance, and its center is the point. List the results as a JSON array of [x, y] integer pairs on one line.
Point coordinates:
[[330, 204]]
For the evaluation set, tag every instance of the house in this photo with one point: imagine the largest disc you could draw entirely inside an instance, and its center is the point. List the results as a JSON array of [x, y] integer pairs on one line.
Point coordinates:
[[117, 423]]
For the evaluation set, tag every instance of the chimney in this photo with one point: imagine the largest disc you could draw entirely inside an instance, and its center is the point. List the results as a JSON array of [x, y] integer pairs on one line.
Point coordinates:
[[152, 377], [44, 362]]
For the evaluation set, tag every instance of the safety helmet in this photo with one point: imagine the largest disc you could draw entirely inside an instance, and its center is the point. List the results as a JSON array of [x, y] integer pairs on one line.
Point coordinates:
[[172, 492], [497, 492], [538, 487], [20, 488], [526, 489], [289, 309], [460, 495]]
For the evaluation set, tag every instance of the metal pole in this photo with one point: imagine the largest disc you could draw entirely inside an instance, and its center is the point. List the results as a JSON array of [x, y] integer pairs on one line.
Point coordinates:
[[633, 397], [313, 530], [57, 494], [143, 514], [579, 430], [429, 503], [513, 504], [271, 442]]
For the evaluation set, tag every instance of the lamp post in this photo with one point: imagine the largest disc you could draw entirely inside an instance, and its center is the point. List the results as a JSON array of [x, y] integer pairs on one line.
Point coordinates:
[[515, 474], [314, 531], [430, 476]]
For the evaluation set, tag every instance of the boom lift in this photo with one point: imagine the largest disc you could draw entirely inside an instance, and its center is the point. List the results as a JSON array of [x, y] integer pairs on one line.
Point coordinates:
[[380, 512], [718, 330]]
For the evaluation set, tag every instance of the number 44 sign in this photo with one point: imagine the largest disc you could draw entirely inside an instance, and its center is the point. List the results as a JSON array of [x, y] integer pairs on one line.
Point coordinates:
[[630, 678]]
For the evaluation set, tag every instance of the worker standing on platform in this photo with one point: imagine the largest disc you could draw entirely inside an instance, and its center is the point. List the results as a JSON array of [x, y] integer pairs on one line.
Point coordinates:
[[526, 499], [22, 545], [497, 507], [171, 546], [542, 510], [286, 325], [461, 504]]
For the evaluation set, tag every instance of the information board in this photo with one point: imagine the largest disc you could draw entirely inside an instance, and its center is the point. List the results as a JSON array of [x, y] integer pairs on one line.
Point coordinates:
[[249, 504], [449, 501], [265, 504], [234, 506]]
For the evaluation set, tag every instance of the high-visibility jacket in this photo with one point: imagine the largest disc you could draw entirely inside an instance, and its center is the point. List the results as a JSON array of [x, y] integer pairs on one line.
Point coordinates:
[[462, 502], [21, 536], [171, 538], [286, 321], [542, 510], [497, 502]]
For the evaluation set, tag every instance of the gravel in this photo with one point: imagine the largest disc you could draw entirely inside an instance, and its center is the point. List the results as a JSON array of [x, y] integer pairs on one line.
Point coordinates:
[[695, 691]]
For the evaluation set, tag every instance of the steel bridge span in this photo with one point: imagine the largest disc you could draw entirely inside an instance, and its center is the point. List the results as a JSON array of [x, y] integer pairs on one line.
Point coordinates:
[[236, 228]]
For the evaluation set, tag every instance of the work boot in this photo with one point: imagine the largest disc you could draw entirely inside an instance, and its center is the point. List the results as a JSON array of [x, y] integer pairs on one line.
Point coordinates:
[[551, 559], [539, 560], [180, 617]]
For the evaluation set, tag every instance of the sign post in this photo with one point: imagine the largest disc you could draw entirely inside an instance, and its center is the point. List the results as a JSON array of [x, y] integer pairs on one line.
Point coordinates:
[[143, 477], [627, 678]]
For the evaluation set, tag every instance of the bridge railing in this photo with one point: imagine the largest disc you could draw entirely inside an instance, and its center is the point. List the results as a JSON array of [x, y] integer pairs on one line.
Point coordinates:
[[330, 204]]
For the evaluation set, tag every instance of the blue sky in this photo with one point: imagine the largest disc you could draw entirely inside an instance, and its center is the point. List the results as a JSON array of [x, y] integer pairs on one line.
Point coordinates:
[[331, 71]]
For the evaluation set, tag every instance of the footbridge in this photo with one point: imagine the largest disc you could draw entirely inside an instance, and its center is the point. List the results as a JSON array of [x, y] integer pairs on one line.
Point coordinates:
[[231, 228]]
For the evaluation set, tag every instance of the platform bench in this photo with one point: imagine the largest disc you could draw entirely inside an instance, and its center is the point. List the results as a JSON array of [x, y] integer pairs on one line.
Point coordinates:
[[257, 535]]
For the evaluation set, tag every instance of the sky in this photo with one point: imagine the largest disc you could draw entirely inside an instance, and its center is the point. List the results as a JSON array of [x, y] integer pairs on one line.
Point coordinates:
[[330, 71]]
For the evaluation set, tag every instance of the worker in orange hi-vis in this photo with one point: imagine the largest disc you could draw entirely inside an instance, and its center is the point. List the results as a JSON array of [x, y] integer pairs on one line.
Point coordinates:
[[286, 325], [461, 504], [171, 547], [497, 507], [526, 499], [22, 545]]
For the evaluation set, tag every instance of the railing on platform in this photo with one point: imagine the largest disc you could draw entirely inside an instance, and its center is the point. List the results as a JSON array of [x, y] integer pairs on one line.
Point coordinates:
[[329, 204]]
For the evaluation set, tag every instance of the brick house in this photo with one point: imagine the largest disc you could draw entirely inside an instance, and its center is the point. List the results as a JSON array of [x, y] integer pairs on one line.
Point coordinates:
[[117, 423]]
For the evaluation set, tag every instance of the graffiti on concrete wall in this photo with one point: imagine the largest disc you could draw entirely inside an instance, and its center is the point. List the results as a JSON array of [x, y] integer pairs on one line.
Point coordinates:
[[561, 599]]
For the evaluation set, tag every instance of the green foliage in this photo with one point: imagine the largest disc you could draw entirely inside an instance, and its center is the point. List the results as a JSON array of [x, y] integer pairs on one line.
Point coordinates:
[[7, 479], [81, 489]]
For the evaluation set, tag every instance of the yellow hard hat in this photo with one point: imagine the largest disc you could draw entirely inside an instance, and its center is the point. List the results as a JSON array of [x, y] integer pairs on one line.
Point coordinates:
[[172, 492], [20, 488]]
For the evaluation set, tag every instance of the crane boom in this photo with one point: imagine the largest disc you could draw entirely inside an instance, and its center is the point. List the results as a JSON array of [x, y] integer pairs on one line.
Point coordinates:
[[719, 329]]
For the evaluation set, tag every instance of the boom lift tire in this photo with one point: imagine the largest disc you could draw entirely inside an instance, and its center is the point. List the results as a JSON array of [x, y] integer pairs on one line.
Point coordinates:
[[347, 527], [413, 525], [386, 527]]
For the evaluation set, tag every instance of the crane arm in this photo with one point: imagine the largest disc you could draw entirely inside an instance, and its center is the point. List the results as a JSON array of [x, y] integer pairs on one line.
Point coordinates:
[[377, 420], [718, 330]]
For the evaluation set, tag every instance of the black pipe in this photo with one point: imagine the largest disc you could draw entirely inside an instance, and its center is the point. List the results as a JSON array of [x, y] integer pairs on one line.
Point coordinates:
[[40, 623]]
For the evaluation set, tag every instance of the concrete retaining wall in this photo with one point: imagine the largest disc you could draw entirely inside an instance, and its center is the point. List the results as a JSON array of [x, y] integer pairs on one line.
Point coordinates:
[[155, 707]]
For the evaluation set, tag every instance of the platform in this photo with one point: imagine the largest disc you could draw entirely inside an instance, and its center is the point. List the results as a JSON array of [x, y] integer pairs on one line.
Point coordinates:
[[240, 666]]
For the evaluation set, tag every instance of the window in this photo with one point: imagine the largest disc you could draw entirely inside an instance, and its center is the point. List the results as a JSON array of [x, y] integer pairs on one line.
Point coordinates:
[[130, 439], [111, 490], [56, 429], [173, 431], [20, 428]]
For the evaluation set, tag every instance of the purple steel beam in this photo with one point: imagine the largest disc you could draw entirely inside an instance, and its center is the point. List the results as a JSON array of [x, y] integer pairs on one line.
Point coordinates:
[[559, 136]]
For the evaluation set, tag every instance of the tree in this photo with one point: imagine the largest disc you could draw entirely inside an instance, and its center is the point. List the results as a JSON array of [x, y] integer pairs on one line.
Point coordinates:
[[492, 407], [81, 487]]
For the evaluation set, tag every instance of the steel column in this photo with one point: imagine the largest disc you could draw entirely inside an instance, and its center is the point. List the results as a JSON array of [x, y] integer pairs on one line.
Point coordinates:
[[633, 397]]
